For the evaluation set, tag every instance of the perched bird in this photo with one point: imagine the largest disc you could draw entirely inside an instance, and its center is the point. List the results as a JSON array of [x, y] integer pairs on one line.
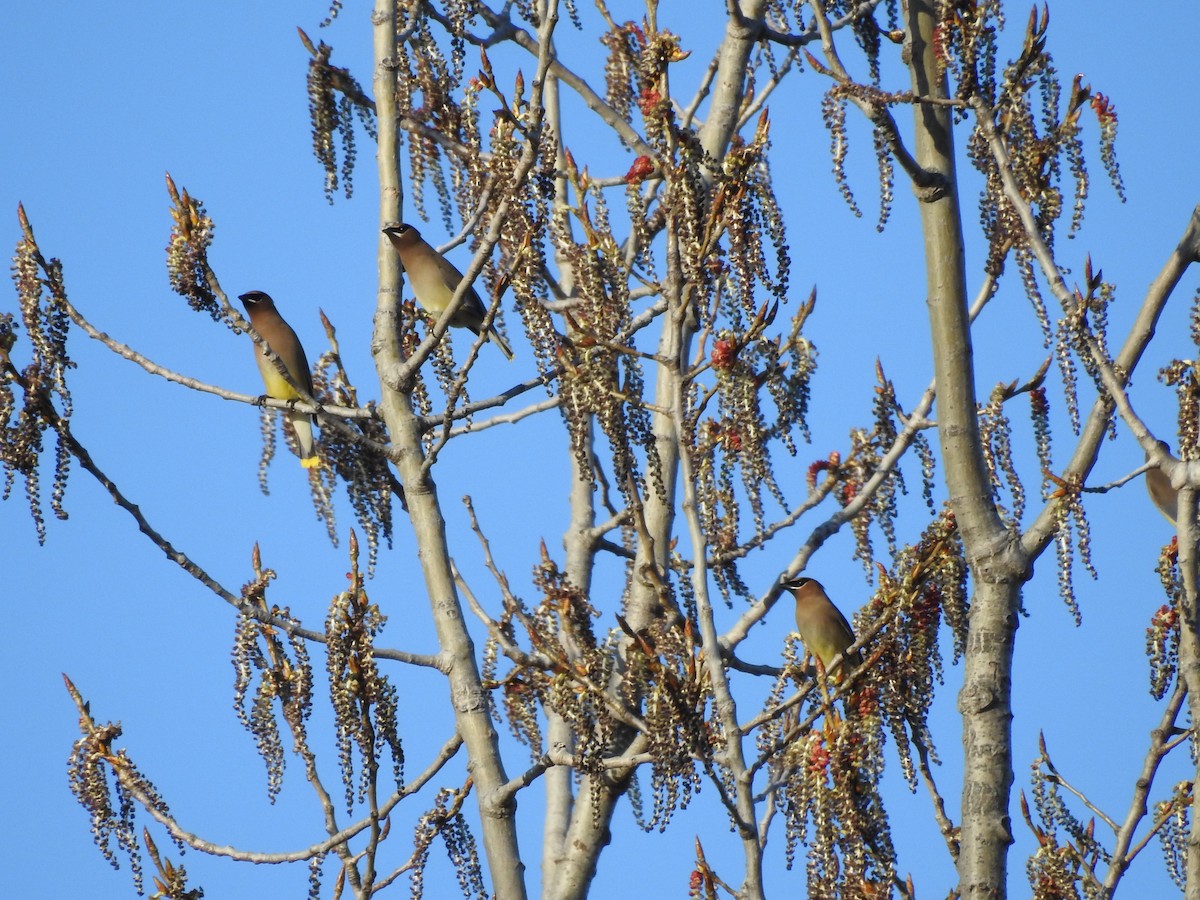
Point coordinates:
[[434, 280], [1158, 485], [823, 628], [278, 335]]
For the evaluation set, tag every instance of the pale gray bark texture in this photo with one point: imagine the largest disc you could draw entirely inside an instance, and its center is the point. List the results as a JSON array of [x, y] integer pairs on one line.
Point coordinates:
[[580, 549], [997, 569], [467, 696]]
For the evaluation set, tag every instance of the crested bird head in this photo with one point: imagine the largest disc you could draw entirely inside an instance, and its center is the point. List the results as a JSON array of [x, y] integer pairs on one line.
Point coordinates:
[[252, 299], [402, 235], [803, 587]]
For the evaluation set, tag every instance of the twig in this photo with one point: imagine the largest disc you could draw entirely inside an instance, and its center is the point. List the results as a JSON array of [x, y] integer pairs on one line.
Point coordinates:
[[917, 421], [505, 29], [519, 656], [185, 562], [123, 772], [428, 423], [842, 689], [454, 810], [509, 418], [945, 826], [127, 352], [1161, 744]]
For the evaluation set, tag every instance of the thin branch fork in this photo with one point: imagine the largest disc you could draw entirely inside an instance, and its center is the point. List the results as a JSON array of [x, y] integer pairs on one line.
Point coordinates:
[[916, 422], [1163, 739], [428, 423], [814, 31], [504, 29], [487, 245], [1161, 743], [741, 628], [537, 660], [844, 689], [448, 815], [127, 352], [929, 186], [185, 562], [123, 771], [1186, 252]]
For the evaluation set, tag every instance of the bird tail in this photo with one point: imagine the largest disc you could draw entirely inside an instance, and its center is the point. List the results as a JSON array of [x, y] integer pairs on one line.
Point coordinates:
[[303, 426], [494, 337]]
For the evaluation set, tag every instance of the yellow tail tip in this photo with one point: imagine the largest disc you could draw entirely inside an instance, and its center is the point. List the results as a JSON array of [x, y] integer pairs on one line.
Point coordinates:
[[311, 462]]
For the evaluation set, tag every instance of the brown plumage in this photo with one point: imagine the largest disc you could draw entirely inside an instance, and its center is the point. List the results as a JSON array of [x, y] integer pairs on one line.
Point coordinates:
[[279, 336], [1158, 485], [823, 629], [434, 279]]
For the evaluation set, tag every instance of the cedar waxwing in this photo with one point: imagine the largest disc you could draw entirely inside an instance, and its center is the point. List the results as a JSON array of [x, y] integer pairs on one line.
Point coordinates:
[[434, 279], [823, 629], [278, 335], [1158, 485]]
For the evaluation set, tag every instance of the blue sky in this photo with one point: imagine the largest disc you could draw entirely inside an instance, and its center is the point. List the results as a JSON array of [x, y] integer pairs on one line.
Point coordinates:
[[101, 101]]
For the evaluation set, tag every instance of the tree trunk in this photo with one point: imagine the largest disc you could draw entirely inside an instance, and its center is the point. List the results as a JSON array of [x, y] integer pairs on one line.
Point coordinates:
[[997, 567], [467, 696]]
